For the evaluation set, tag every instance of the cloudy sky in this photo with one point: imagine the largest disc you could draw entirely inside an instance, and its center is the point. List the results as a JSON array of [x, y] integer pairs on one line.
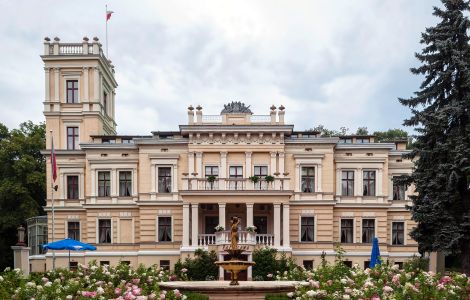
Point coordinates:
[[336, 63]]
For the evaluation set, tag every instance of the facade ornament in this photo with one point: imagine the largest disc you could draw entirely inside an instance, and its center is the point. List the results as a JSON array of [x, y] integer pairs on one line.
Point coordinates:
[[85, 39], [56, 39], [281, 108], [190, 107], [96, 39], [273, 107], [199, 107], [236, 107], [47, 39]]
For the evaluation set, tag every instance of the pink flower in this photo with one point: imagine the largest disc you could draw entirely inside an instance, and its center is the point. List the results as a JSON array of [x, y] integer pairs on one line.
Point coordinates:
[[136, 291], [329, 282], [162, 296], [88, 294], [117, 291], [375, 297], [445, 280], [136, 280], [184, 270], [396, 279]]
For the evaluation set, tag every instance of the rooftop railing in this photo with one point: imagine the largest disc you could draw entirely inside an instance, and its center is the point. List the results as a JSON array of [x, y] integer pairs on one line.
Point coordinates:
[[236, 184]]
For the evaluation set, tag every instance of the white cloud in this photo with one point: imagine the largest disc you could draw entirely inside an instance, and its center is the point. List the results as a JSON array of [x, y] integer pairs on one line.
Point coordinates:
[[340, 63]]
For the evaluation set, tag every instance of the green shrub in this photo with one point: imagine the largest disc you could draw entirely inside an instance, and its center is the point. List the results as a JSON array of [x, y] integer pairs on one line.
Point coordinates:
[[268, 265], [416, 264], [196, 296], [202, 267]]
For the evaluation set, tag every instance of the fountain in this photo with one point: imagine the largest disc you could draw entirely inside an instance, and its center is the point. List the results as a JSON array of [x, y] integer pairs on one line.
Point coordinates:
[[235, 264]]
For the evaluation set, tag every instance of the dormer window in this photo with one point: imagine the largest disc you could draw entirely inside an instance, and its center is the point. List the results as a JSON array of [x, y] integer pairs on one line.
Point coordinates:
[[108, 141], [346, 141], [362, 140]]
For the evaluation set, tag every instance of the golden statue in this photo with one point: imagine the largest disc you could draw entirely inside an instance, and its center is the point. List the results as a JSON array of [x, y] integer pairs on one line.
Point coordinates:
[[234, 233]]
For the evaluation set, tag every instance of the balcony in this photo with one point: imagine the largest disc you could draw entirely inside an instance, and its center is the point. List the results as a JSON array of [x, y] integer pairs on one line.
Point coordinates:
[[244, 238], [235, 184]]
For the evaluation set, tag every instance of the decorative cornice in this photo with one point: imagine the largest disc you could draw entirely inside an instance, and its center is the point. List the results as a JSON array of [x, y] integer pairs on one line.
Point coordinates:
[[185, 129]]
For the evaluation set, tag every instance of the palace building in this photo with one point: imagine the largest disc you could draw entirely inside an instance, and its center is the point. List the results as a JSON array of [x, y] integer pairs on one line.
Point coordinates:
[[156, 198]]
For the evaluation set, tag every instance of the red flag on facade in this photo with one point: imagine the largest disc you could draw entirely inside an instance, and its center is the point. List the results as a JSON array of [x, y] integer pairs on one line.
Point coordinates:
[[108, 14], [53, 161]]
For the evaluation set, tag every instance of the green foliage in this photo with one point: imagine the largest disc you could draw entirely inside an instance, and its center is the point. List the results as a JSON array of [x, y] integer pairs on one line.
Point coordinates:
[[201, 267], [327, 132], [254, 179], [441, 116], [22, 181], [390, 135], [211, 178], [196, 296], [362, 131], [416, 264], [269, 178], [269, 263]]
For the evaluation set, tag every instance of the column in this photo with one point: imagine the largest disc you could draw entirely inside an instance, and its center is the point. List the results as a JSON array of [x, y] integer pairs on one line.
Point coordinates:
[[185, 224], [56, 84], [175, 181], [153, 182], [281, 164], [277, 225], [221, 270], [114, 186], [47, 80], [273, 163], [297, 178], [134, 183], [195, 224], [285, 225], [93, 186], [338, 182], [358, 183], [249, 214], [248, 164], [86, 94], [190, 163], [319, 177], [199, 164], [222, 214], [250, 268], [82, 186], [96, 84], [223, 170], [62, 181], [379, 183]]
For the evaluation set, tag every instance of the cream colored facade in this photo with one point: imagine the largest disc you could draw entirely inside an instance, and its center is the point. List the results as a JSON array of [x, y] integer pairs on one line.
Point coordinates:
[[149, 199]]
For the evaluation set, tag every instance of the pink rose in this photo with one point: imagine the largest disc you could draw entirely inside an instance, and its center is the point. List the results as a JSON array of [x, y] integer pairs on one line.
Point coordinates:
[[117, 291]]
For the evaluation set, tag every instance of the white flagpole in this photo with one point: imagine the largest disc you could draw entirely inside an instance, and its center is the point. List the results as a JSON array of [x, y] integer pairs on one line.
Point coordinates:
[[53, 211], [106, 17]]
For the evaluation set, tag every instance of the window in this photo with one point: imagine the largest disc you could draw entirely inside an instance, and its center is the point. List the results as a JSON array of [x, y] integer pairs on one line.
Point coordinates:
[[347, 263], [72, 138], [307, 229], [261, 172], [235, 173], [362, 140], [308, 180], [104, 184], [105, 103], [308, 264], [104, 234], [164, 180], [347, 183], [126, 262], [212, 171], [127, 141], [369, 183], [108, 140], [73, 266], [368, 230], [398, 233], [72, 91], [366, 264], [398, 191], [104, 262], [164, 229], [399, 264], [347, 230], [72, 187], [125, 183], [165, 265], [345, 141], [73, 230]]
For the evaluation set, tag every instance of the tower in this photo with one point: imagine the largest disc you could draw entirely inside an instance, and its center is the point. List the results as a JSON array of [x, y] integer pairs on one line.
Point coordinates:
[[79, 92]]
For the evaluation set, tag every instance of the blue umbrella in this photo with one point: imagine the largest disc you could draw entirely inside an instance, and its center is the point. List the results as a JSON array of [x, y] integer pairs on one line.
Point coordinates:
[[375, 255], [68, 244]]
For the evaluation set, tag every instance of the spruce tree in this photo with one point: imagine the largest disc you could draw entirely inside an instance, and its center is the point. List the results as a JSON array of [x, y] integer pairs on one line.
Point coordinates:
[[441, 117]]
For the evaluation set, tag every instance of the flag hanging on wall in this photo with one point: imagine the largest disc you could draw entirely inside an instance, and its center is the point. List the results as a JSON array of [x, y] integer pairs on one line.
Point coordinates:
[[53, 161]]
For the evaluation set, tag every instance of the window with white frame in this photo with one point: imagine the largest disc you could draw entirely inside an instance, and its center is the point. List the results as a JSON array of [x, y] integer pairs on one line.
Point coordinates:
[[125, 183], [235, 175], [104, 184], [398, 233], [104, 231], [261, 172], [72, 138], [307, 229], [72, 187], [73, 230], [398, 190], [211, 173], [368, 230], [164, 229], [347, 183], [308, 180], [164, 179], [368, 180], [347, 230]]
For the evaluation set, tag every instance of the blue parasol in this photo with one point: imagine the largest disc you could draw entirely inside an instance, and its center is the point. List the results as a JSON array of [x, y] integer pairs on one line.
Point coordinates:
[[375, 255], [68, 244]]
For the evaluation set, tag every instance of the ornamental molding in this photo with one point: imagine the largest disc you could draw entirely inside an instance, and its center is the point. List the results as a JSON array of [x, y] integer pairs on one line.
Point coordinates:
[[236, 107]]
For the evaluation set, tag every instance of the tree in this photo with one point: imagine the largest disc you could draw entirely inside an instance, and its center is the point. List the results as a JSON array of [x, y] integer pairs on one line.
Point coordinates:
[[327, 132], [362, 131], [22, 181], [441, 114], [390, 135]]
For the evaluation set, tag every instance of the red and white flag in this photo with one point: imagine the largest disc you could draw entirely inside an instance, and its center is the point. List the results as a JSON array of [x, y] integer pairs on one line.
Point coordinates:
[[53, 161], [108, 14]]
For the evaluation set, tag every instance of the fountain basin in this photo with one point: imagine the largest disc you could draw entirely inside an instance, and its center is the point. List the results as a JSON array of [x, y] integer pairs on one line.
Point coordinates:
[[234, 267]]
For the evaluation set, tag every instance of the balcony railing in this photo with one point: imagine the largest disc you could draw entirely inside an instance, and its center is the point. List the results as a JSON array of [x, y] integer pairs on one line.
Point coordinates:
[[244, 238], [235, 184]]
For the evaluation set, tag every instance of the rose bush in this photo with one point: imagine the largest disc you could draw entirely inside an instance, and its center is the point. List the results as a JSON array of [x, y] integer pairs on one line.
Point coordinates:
[[88, 282]]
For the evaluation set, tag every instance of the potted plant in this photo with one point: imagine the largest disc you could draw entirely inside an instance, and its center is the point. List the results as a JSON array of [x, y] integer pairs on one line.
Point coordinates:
[[254, 179], [269, 178], [211, 178], [219, 228], [251, 229]]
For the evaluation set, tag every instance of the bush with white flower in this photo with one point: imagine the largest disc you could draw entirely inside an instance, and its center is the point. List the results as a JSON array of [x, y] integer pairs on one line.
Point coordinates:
[[88, 282]]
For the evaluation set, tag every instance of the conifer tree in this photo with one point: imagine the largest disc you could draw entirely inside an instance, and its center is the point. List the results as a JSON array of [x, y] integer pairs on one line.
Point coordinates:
[[441, 116]]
